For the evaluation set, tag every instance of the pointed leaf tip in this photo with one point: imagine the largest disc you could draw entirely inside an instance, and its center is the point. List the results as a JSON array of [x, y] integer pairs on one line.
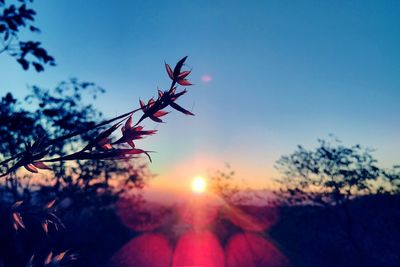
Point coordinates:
[[41, 165], [156, 119], [184, 74], [169, 71], [31, 168], [128, 123], [184, 82], [50, 204], [142, 104], [181, 109]]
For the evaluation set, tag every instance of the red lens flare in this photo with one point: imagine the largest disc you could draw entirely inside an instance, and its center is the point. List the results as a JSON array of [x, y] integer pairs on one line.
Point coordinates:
[[148, 250], [198, 249]]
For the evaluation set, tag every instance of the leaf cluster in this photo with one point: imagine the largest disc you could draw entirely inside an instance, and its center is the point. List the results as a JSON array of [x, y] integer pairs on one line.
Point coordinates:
[[14, 18], [331, 174]]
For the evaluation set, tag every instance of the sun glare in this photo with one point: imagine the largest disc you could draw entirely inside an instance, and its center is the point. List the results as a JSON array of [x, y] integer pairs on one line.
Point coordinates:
[[199, 184]]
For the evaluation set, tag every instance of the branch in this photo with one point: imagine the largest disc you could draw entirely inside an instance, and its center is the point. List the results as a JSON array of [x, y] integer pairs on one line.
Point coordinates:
[[33, 157]]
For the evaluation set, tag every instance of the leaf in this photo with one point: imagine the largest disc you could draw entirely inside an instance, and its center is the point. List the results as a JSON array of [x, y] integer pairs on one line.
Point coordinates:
[[154, 118], [105, 140], [108, 132], [183, 74], [48, 258], [176, 96], [172, 91], [184, 82], [41, 165], [50, 204], [30, 263], [39, 143], [45, 227], [169, 71], [128, 123], [102, 135], [134, 134], [60, 256], [181, 109], [160, 113], [131, 143], [18, 222], [142, 104], [151, 102], [107, 146], [34, 29], [133, 151], [24, 63], [178, 66], [38, 67], [31, 168]]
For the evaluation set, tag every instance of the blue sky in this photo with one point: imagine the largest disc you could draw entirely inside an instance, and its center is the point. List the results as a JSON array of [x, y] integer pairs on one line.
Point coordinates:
[[283, 73]]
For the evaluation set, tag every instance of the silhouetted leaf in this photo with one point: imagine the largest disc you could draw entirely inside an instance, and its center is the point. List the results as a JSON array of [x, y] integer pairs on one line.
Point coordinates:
[[41, 165], [169, 71], [181, 109], [184, 82], [24, 63], [31, 168]]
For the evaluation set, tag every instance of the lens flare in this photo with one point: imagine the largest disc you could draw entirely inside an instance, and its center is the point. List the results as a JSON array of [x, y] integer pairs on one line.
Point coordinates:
[[199, 185]]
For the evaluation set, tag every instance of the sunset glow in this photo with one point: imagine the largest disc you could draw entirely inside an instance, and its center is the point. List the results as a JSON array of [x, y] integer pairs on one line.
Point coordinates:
[[199, 185]]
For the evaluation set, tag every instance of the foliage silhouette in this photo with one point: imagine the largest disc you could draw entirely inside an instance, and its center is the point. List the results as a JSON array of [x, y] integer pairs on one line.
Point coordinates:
[[14, 18], [224, 184], [100, 146], [328, 181], [99, 171], [332, 174]]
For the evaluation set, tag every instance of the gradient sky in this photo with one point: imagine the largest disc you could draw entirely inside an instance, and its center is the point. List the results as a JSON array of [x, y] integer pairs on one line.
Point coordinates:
[[282, 73]]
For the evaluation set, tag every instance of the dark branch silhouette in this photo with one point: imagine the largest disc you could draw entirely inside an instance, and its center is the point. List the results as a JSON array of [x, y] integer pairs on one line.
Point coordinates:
[[101, 147], [14, 18]]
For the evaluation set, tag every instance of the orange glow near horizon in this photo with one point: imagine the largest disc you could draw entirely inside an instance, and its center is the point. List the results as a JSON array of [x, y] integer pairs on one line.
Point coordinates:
[[199, 185]]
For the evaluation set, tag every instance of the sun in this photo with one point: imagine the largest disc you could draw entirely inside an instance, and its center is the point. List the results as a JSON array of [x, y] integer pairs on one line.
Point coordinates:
[[199, 185]]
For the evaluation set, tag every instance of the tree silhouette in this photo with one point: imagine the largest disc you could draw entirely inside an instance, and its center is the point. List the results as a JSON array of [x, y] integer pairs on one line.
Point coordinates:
[[57, 112], [331, 174], [88, 166], [14, 19]]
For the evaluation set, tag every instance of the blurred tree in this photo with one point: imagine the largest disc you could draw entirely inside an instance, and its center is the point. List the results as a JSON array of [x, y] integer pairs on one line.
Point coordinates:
[[222, 184], [56, 113], [14, 19], [233, 191], [85, 190], [331, 174], [90, 170]]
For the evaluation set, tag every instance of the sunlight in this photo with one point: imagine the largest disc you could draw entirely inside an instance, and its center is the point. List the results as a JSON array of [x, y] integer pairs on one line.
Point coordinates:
[[199, 185]]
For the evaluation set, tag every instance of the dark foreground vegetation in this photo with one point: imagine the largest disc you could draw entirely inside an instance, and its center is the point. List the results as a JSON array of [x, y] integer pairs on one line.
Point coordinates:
[[70, 188], [314, 236]]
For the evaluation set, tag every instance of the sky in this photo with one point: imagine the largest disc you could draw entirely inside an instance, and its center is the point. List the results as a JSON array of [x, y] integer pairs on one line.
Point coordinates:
[[268, 75]]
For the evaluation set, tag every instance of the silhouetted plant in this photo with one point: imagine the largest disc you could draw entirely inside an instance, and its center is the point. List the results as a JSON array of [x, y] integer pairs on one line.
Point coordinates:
[[330, 174], [393, 176], [224, 184], [100, 168], [63, 258], [101, 147], [13, 19]]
